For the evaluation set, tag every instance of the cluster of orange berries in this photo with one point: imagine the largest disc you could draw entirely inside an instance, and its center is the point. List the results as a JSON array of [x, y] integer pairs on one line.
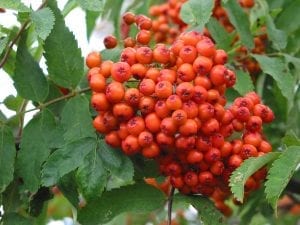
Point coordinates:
[[167, 103]]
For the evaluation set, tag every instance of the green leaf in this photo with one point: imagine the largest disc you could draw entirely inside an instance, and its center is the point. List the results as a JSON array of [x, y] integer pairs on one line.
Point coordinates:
[[207, 211], [66, 159], [248, 167], [275, 67], [7, 157], [43, 21], [240, 21], [22, 17], [92, 176], [122, 176], [68, 186], [112, 158], [91, 5], [76, 119], [15, 218], [15, 5], [90, 18], [280, 174], [243, 83], [219, 34], [116, 161], [278, 37], [275, 4], [290, 140], [29, 78], [13, 103], [35, 147], [63, 57], [10, 198], [289, 19], [3, 43], [138, 198], [196, 13]]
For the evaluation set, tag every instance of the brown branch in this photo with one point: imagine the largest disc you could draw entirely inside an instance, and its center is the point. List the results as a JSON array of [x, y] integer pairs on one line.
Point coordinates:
[[10, 46], [41, 106], [170, 204], [16, 38]]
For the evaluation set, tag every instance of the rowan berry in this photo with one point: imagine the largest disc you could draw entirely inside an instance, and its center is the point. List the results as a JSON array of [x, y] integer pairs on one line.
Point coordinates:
[[144, 55], [188, 54], [129, 18], [110, 42], [191, 179], [93, 59], [202, 65], [151, 151], [100, 102], [130, 145], [115, 92]]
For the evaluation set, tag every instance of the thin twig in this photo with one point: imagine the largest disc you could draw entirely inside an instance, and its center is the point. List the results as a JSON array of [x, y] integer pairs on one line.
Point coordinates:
[[10, 46], [70, 95], [16, 38], [170, 204]]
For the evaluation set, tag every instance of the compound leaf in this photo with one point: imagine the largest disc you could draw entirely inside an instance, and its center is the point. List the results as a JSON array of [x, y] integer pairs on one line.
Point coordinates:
[[280, 173], [248, 167]]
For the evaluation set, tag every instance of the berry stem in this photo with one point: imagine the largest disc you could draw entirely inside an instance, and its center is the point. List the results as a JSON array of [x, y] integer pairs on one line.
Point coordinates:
[[170, 204]]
